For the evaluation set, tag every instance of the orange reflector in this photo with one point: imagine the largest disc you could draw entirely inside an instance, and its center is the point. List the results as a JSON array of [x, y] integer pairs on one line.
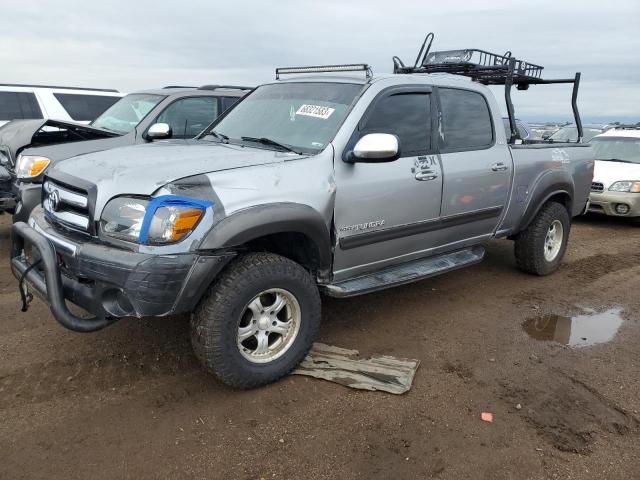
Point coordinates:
[[185, 222], [38, 166]]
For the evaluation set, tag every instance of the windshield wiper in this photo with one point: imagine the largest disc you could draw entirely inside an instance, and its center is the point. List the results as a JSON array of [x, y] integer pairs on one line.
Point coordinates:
[[106, 128], [614, 160], [220, 136], [273, 143]]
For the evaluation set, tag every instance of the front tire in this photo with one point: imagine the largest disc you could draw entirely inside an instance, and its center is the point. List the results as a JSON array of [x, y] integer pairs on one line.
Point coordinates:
[[258, 321], [539, 248]]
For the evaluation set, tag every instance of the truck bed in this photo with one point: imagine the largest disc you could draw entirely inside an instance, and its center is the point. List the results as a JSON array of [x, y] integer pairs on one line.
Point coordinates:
[[543, 170]]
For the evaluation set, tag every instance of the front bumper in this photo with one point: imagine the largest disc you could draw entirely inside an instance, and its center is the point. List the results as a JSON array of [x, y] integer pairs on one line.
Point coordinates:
[[106, 281], [28, 196], [606, 203], [7, 198]]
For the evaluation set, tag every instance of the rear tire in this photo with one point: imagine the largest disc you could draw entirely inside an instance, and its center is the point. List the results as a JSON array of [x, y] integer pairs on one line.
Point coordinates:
[[539, 248], [274, 303]]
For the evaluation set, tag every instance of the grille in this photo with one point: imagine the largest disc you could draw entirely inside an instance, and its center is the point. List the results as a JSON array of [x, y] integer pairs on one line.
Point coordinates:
[[597, 187], [66, 206]]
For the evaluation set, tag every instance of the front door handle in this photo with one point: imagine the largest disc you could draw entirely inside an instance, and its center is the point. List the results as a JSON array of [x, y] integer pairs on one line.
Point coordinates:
[[499, 167], [424, 175]]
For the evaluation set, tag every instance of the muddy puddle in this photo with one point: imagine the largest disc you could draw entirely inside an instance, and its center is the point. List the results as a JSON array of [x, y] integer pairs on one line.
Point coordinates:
[[588, 328]]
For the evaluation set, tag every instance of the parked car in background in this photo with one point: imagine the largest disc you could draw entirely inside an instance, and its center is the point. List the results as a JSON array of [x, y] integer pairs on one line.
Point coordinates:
[[569, 133], [340, 184], [524, 131], [32, 146], [27, 102], [616, 180]]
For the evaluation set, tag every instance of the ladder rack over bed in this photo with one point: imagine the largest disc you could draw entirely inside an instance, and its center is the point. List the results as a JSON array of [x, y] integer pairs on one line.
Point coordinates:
[[489, 69]]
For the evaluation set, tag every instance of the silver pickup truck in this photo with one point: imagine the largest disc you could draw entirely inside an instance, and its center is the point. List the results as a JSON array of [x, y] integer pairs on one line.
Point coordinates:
[[324, 183]]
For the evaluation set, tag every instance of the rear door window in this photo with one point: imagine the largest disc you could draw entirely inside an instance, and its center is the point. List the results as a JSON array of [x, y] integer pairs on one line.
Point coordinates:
[[405, 115], [466, 121], [19, 106], [85, 108], [189, 116]]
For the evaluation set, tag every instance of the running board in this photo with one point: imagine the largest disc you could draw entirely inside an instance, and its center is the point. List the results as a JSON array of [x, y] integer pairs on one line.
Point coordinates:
[[406, 273]]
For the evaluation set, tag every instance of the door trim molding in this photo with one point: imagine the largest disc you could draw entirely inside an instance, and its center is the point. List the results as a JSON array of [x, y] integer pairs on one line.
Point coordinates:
[[408, 229]]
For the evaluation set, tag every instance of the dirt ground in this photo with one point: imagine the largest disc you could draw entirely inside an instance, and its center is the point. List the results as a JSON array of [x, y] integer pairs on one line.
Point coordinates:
[[132, 402]]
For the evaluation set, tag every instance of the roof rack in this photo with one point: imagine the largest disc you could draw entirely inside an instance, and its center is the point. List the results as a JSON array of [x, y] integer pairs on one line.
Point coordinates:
[[209, 87], [489, 69], [228, 87], [58, 87], [350, 67], [629, 126]]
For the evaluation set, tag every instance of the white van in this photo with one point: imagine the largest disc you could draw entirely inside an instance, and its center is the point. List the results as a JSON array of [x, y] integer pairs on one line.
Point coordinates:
[[21, 102]]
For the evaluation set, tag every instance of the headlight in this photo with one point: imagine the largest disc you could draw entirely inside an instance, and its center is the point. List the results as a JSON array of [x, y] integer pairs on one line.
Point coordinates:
[[626, 186], [156, 221], [122, 218], [29, 166]]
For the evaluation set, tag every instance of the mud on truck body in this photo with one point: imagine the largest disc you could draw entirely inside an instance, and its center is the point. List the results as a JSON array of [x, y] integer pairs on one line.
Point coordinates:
[[336, 184]]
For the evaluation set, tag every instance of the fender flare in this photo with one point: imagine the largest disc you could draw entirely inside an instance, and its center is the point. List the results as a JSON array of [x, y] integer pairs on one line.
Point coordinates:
[[551, 184], [254, 222]]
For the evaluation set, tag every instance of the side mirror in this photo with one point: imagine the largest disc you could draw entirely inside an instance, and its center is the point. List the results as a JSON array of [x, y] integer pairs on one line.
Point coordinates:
[[375, 147], [158, 131]]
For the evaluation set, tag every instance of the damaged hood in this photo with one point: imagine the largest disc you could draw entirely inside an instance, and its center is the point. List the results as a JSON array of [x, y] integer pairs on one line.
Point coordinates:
[[70, 138], [143, 169]]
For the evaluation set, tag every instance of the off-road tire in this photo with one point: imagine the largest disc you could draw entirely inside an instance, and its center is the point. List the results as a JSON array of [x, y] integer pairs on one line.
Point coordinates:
[[214, 324], [530, 243]]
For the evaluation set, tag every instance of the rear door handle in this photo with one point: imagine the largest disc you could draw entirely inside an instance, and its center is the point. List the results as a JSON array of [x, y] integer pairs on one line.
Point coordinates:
[[499, 167]]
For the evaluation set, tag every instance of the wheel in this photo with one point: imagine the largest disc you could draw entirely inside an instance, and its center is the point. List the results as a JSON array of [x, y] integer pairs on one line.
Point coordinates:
[[258, 320], [540, 247]]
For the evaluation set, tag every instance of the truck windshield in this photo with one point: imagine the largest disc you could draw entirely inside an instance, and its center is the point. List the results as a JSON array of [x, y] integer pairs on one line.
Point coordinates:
[[303, 117], [124, 115], [617, 149]]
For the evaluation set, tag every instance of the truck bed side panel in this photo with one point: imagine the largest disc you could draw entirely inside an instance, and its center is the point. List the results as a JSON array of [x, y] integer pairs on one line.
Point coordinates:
[[542, 170]]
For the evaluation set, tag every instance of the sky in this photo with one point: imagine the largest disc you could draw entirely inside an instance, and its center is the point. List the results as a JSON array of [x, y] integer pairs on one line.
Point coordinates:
[[138, 44]]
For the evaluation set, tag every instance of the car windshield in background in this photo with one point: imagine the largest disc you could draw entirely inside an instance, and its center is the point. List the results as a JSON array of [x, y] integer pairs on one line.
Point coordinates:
[[570, 134], [622, 149], [303, 117], [124, 115]]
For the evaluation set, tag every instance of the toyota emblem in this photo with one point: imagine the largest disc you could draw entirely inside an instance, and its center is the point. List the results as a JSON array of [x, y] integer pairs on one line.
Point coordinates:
[[54, 200]]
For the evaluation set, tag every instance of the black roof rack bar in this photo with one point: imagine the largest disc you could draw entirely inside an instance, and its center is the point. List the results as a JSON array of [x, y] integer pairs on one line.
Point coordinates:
[[351, 67], [228, 87], [60, 88], [210, 87], [429, 38], [489, 69], [510, 111], [574, 106]]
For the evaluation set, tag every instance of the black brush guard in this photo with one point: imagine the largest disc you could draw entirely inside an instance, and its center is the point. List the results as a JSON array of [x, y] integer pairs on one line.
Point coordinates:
[[48, 282]]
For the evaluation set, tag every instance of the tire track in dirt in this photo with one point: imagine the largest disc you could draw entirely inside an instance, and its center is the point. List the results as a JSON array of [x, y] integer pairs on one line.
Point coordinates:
[[583, 271], [571, 415], [593, 267]]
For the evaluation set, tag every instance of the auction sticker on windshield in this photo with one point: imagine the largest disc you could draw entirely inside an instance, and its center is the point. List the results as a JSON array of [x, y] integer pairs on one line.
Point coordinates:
[[316, 111]]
